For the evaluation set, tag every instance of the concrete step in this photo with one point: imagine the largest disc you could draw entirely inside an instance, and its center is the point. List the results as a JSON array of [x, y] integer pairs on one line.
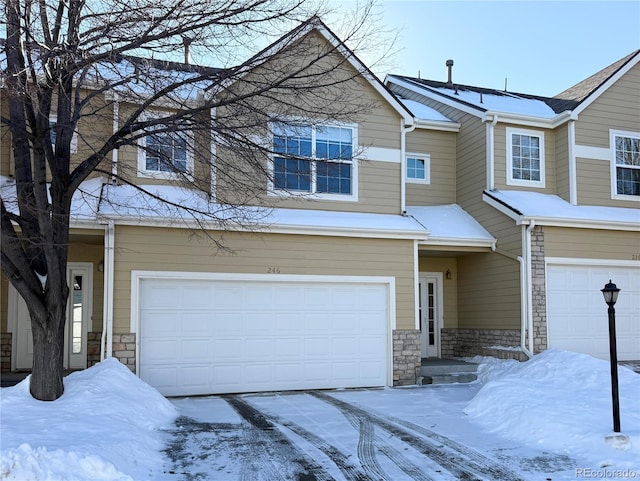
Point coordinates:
[[447, 371]]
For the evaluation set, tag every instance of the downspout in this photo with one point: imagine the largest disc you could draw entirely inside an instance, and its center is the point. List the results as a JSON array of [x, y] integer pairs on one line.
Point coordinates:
[[523, 297], [573, 189], [404, 130], [490, 138], [529, 229], [106, 341], [116, 126]]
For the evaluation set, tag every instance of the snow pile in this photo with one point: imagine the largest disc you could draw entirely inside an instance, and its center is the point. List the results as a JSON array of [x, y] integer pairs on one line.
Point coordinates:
[[104, 427], [559, 400]]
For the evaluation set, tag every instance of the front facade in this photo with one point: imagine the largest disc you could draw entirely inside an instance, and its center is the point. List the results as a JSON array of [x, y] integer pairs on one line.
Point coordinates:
[[419, 237]]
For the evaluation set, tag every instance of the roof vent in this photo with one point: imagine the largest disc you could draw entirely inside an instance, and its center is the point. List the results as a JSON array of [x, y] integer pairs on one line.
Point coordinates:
[[449, 65], [186, 41]]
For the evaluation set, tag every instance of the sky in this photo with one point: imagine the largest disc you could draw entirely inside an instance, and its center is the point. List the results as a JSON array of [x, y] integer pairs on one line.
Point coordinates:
[[541, 47]]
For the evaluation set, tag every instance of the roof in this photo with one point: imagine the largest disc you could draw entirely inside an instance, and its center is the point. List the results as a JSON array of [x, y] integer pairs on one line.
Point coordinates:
[[548, 209]]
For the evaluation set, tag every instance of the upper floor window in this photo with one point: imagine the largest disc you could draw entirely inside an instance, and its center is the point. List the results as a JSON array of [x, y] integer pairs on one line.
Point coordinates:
[[53, 120], [418, 168], [525, 158], [315, 159], [164, 154], [626, 165]]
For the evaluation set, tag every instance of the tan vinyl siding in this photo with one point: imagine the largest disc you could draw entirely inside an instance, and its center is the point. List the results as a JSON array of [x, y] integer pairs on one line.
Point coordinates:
[[449, 286], [441, 147], [500, 159], [562, 162], [617, 108], [594, 184], [144, 248], [591, 243]]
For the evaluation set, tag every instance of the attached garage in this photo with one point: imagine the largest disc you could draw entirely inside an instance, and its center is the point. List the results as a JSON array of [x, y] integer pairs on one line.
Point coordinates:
[[577, 314], [217, 333]]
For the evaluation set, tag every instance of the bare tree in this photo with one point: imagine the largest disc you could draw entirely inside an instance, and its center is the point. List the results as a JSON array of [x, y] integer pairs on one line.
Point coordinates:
[[71, 65]]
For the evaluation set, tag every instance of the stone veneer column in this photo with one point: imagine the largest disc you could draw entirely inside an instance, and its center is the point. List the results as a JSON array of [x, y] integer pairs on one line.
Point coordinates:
[[5, 351], [124, 349], [93, 348], [406, 356], [538, 290]]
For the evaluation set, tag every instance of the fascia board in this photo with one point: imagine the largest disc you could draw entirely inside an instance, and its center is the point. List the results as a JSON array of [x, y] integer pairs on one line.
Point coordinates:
[[437, 96], [438, 125], [407, 234], [582, 223], [499, 206], [528, 120], [605, 86], [457, 242]]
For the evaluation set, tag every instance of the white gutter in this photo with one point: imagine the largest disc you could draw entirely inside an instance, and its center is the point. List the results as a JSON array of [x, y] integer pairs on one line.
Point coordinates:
[[416, 284], [106, 341], [490, 138], [404, 130], [523, 297], [573, 189], [529, 278], [116, 126]]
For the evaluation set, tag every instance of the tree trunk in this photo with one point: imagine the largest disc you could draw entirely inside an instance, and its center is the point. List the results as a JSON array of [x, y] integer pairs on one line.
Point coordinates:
[[48, 353]]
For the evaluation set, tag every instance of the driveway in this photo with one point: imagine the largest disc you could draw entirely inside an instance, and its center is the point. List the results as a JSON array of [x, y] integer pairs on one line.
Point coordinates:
[[417, 433]]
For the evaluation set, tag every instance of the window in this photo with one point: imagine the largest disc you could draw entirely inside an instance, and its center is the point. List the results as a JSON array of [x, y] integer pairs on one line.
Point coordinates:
[[626, 165], [418, 168], [525, 158], [53, 120], [164, 154], [314, 159]]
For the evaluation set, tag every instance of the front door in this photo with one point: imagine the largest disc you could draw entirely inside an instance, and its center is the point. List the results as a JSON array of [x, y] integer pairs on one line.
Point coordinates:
[[80, 277], [430, 311]]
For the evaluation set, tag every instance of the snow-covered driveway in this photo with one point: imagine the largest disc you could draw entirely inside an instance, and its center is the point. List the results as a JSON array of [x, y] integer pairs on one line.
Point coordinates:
[[385, 434]]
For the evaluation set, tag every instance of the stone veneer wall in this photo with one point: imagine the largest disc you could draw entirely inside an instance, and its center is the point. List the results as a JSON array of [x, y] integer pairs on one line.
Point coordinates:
[[538, 291], [93, 348], [479, 342], [406, 356], [124, 349], [5, 351]]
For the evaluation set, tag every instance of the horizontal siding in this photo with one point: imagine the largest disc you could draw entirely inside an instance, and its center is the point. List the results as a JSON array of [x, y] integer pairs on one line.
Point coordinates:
[[591, 243], [562, 162], [449, 287], [594, 184], [441, 147], [618, 108], [140, 248]]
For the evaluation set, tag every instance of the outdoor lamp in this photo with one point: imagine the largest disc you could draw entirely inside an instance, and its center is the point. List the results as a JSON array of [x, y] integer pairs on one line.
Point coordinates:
[[610, 293]]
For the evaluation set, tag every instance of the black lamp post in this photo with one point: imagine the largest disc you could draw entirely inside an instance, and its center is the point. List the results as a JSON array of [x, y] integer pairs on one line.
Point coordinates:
[[610, 293]]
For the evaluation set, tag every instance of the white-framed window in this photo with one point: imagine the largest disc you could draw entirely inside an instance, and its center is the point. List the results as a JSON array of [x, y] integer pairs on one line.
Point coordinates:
[[316, 159], [165, 154], [525, 158], [625, 165], [418, 168], [53, 120]]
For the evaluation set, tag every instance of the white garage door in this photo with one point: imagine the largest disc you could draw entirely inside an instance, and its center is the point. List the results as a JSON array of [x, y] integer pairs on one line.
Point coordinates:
[[215, 336], [577, 313]]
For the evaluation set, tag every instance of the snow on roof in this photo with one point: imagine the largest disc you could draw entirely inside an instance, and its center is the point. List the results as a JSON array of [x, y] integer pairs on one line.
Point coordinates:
[[450, 224], [423, 112], [550, 208]]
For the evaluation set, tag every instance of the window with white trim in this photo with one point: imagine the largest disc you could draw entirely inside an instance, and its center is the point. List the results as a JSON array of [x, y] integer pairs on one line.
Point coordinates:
[[626, 164], [418, 168], [53, 120], [164, 154], [525, 158], [317, 159]]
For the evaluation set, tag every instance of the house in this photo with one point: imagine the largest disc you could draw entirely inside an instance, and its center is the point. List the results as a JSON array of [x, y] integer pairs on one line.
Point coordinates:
[[422, 239]]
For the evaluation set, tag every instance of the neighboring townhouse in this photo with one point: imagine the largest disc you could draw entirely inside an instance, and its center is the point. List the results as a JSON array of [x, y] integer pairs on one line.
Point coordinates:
[[556, 181]]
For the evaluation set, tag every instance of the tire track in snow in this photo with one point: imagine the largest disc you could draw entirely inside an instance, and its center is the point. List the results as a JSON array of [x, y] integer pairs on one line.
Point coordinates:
[[464, 463], [261, 432]]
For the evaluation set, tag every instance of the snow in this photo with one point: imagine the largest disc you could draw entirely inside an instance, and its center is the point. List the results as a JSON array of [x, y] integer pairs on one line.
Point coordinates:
[[449, 223], [108, 424], [89, 432], [539, 206], [424, 112]]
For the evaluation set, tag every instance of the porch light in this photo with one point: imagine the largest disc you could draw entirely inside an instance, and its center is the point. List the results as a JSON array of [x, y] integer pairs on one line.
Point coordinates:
[[610, 293]]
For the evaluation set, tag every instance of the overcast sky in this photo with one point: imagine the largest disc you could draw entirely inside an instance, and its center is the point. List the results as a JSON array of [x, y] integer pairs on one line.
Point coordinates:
[[541, 47]]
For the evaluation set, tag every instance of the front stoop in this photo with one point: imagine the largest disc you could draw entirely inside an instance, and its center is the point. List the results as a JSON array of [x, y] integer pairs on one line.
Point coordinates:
[[447, 371]]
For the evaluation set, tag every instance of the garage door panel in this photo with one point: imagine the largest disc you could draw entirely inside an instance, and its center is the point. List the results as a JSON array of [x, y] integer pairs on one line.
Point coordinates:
[[577, 314], [232, 336]]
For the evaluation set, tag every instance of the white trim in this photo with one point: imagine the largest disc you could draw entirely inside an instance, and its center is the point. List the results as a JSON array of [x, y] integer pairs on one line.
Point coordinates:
[[115, 126], [582, 261], [437, 278], [612, 158], [427, 168], [381, 154], [458, 242], [73, 146], [490, 152], [605, 86], [510, 132], [573, 173], [591, 152], [85, 269], [442, 125], [138, 276], [416, 284]]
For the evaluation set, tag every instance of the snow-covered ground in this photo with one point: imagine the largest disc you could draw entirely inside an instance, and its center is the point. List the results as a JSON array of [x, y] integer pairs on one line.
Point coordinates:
[[543, 419]]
